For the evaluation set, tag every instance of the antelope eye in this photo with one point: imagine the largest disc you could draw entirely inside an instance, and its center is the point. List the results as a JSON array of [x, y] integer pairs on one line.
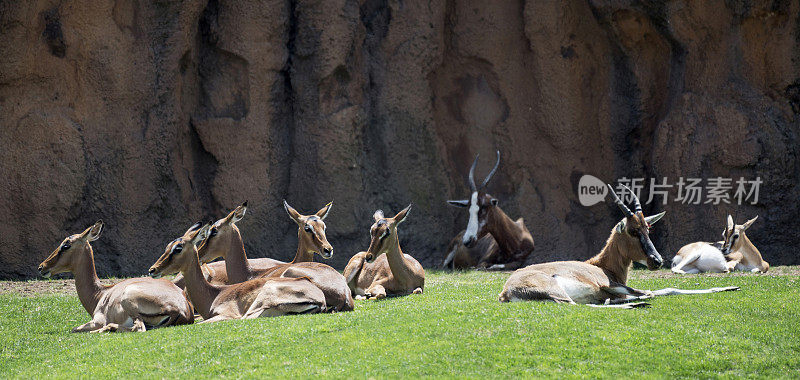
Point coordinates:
[[65, 246], [307, 228], [213, 232], [178, 248]]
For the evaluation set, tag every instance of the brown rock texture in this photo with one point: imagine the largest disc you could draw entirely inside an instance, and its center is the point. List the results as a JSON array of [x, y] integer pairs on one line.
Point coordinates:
[[151, 115]]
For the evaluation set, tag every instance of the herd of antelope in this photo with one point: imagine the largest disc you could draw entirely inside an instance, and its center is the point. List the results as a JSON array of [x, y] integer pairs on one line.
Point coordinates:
[[241, 288]]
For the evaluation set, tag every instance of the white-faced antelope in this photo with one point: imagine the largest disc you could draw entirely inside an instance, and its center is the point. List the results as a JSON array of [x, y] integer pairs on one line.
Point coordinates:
[[312, 240], [492, 240], [601, 280], [224, 240], [135, 304], [261, 297], [372, 275], [735, 252]]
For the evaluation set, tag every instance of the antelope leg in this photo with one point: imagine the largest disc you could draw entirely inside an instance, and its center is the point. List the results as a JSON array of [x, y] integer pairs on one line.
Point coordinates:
[[217, 318], [377, 291], [448, 262], [92, 325], [673, 291], [686, 261]]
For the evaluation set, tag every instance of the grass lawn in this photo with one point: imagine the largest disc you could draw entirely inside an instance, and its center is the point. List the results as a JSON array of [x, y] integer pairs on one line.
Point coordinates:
[[455, 329]]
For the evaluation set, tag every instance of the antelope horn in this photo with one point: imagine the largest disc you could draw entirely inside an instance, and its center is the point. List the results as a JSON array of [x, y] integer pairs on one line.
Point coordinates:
[[491, 173], [636, 205], [625, 209], [472, 186]]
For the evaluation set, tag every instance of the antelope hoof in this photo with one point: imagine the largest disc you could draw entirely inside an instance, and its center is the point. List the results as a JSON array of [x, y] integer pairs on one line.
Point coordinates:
[[417, 291], [727, 289], [637, 305]]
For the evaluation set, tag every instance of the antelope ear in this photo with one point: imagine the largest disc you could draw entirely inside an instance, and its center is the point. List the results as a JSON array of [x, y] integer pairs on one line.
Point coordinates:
[[292, 213], [652, 219], [323, 212], [378, 215], [459, 203], [401, 216], [620, 227], [194, 227], [748, 223], [93, 233], [239, 212], [201, 235], [730, 223]]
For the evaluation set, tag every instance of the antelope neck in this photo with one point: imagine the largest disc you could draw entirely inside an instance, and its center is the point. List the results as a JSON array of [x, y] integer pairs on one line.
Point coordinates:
[[86, 282], [504, 231], [750, 253], [236, 263], [612, 260], [396, 259], [201, 292], [304, 252]]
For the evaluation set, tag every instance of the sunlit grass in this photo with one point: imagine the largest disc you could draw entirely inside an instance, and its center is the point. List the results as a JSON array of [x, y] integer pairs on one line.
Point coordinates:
[[455, 329]]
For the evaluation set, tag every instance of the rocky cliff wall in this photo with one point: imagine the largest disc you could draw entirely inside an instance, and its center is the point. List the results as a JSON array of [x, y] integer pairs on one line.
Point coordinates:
[[151, 115]]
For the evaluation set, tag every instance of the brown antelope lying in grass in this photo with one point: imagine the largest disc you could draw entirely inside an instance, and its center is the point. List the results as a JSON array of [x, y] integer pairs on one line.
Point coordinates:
[[736, 252], [136, 304], [601, 280], [223, 238], [311, 240], [492, 240], [372, 275], [261, 297]]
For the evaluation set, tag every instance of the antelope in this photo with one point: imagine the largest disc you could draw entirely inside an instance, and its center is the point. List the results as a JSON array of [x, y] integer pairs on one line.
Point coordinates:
[[735, 252], [601, 280], [311, 239], [260, 297], [135, 304], [372, 275], [224, 237], [224, 240], [492, 240]]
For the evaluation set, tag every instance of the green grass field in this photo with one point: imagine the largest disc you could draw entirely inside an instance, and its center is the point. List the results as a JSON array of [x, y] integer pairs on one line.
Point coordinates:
[[456, 329]]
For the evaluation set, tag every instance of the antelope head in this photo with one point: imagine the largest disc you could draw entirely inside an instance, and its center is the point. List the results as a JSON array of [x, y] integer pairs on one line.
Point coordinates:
[[74, 247], [179, 253], [734, 234], [311, 231], [383, 233], [480, 205], [221, 235], [635, 230]]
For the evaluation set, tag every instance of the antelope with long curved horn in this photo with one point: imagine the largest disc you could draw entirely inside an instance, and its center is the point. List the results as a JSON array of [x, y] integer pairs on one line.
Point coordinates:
[[373, 275], [735, 252], [601, 280], [492, 240], [135, 304], [260, 297]]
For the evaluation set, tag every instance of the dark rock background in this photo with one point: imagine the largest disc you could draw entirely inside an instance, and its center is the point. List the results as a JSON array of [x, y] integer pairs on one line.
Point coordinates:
[[151, 115]]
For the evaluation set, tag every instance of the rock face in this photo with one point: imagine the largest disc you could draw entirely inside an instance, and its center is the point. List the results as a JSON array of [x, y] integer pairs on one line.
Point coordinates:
[[152, 115]]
